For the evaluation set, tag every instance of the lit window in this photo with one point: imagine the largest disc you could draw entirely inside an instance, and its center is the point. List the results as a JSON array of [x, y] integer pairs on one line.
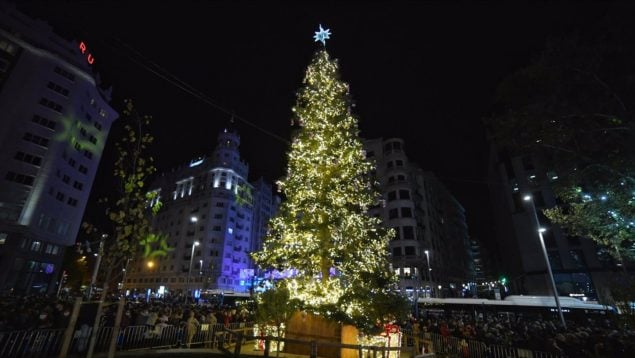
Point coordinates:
[[36, 246]]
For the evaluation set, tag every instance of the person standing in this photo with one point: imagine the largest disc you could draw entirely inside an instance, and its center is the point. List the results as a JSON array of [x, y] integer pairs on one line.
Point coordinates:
[[192, 327]]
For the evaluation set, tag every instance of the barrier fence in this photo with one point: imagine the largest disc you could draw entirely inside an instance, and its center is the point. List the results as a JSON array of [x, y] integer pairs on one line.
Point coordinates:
[[466, 348], [48, 342]]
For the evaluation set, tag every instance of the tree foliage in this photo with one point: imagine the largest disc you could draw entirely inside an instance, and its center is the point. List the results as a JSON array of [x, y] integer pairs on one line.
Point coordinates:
[[572, 107], [335, 253], [128, 209]]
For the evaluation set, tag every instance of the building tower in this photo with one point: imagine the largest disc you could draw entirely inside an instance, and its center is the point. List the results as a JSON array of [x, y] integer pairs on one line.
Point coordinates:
[[55, 121], [210, 210], [577, 268], [430, 252]]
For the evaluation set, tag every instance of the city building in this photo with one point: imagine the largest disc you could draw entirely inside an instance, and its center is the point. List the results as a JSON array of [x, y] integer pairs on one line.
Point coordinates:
[[55, 119], [214, 218], [577, 268], [430, 252]]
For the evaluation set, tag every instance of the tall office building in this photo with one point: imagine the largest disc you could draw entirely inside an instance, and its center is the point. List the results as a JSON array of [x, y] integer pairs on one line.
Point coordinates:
[[214, 219], [574, 260], [55, 121], [431, 252]]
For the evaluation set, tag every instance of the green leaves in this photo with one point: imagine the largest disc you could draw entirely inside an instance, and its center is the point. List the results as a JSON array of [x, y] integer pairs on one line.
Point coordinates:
[[571, 109]]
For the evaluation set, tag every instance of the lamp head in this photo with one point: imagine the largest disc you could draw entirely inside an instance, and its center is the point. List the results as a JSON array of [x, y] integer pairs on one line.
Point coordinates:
[[527, 197]]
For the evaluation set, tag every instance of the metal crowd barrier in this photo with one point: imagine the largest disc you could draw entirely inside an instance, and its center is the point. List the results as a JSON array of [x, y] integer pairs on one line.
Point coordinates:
[[157, 337], [32, 343], [461, 347]]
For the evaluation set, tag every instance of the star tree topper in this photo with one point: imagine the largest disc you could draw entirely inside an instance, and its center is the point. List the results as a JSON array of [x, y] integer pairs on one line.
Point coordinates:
[[322, 35]]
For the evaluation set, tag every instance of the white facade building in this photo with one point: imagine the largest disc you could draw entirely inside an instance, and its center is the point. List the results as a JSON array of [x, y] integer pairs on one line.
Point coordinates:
[[430, 252], [55, 121], [209, 209]]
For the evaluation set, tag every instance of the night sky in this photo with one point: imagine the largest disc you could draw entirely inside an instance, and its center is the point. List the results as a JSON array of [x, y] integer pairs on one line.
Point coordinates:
[[425, 72]]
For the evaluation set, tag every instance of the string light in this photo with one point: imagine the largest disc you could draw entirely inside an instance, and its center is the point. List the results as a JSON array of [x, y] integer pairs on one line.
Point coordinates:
[[322, 231]]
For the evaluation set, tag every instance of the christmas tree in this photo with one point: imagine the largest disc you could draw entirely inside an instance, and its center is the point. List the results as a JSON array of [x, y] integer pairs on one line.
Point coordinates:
[[334, 253]]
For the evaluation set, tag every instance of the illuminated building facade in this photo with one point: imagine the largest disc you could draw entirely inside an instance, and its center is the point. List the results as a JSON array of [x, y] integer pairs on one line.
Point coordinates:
[[426, 218], [54, 119], [211, 210]]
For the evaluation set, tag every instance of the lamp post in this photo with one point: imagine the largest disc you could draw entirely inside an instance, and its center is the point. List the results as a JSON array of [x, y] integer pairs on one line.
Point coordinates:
[[532, 207], [99, 255], [429, 270], [189, 273]]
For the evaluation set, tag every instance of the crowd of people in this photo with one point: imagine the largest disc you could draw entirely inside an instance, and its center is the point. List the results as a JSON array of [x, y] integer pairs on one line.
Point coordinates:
[[43, 312], [597, 338], [33, 312]]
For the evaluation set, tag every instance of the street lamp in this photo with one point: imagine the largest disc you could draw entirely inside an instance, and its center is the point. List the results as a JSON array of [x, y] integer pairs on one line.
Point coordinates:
[[200, 267], [193, 219], [429, 270], [189, 273], [532, 206]]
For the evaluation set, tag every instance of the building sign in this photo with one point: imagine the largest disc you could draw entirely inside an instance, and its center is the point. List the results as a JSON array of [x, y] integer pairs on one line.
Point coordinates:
[[84, 49]]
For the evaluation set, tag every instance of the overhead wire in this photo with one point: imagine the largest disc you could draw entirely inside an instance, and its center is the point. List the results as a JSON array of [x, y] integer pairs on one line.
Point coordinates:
[[164, 74]]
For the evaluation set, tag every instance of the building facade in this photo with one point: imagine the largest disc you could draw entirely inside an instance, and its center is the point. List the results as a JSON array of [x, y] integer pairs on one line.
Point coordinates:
[[55, 121], [430, 252], [214, 218], [577, 268]]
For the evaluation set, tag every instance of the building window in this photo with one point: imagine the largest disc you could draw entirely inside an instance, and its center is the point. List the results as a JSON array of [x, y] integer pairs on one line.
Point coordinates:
[[396, 251], [72, 201], [83, 169], [410, 250], [390, 164], [66, 179], [77, 185], [392, 195], [92, 139], [62, 72], [36, 246], [71, 162], [57, 88], [60, 196], [51, 105], [28, 158], [41, 141], [404, 194], [43, 122], [577, 257], [77, 146], [401, 177], [88, 154], [406, 212], [399, 163], [216, 228], [97, 125], [408, 233], [393, 214], [20, 178]]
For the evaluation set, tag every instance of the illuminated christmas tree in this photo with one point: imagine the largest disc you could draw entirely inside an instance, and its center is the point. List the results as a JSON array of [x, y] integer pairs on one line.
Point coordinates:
[[333, 253]]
